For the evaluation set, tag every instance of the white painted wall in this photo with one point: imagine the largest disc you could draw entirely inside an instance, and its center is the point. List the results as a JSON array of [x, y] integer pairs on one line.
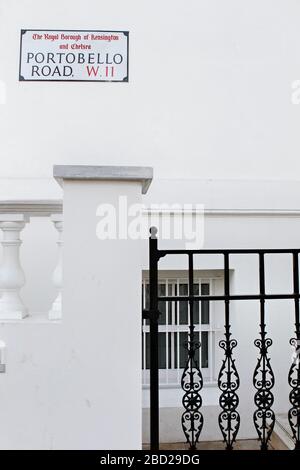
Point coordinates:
[[104, 335], [208, 106], [209, 83]]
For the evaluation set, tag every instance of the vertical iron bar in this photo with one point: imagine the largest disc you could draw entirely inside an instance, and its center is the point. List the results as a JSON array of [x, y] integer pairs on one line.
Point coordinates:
[[191, 339], [154, 371], [294, 372], [263, 378], [227, 336], [228, 380], [191, 336]]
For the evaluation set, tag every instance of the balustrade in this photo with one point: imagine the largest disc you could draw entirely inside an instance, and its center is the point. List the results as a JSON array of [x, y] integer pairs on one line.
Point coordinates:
[[14, 216]]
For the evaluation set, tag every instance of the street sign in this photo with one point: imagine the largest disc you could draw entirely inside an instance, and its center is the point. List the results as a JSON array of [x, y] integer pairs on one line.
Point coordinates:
[[65, 55]]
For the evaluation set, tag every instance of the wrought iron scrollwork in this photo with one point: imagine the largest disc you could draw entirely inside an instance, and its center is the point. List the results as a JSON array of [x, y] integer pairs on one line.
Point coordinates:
[[263, 377], [294, 372], [263, 380], [192, 380], [294, 382], [192, 383], [228, 382]]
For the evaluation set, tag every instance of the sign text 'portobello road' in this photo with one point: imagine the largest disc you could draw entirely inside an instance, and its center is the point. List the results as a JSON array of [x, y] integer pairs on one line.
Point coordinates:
[[74, 55]]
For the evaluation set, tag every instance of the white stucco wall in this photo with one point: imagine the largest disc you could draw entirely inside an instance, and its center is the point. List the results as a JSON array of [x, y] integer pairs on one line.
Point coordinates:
[[208, 105], [210, 83]]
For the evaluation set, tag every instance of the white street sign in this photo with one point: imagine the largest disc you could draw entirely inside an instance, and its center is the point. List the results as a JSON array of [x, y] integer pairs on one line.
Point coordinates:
[[62, 55]]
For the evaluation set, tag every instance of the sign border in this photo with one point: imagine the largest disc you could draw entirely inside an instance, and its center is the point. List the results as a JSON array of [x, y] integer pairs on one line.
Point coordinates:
[[125, 79]]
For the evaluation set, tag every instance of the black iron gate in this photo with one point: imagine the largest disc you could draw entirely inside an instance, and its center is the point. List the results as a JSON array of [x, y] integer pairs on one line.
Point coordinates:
[[228, 379]]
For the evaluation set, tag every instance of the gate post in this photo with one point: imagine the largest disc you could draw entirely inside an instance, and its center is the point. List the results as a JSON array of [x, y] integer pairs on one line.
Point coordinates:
[[101, 307], [154, 377]]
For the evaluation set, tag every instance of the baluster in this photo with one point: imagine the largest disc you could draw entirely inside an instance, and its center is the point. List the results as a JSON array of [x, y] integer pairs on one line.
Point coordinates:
[[294, 372], [192, 381], [228, 380], [12, 277], [56, 310], [263, 378]]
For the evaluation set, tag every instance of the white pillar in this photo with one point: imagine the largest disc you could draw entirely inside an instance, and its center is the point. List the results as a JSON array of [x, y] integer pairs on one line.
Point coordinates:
[[101, 312], [55, 312], [12, 277]]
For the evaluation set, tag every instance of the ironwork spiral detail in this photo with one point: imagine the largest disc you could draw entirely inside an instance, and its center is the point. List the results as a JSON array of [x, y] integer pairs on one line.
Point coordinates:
[[263, 381], [192, 383], [294, 382], [229, 382]]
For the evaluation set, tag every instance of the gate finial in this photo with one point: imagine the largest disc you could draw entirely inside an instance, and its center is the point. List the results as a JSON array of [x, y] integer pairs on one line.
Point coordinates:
[[153, 232]]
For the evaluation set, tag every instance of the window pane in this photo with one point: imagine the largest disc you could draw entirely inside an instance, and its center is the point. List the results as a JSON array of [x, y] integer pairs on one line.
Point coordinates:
[[176, 304], [183, 354], [143, 351], [170, 292], [183, 337], [147, 291], [161, 350], [204, 349], [183, 351], [147, 351], [205, 305], [196, 305], [170, 349], [175, 350], [183, 305], [162, 305], [147, 300]]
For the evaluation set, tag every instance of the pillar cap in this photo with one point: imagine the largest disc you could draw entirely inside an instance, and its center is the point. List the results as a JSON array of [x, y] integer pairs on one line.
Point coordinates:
[[144, 174]]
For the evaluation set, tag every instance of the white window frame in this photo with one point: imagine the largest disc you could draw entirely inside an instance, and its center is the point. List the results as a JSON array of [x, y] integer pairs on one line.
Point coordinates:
[[172, 377]]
